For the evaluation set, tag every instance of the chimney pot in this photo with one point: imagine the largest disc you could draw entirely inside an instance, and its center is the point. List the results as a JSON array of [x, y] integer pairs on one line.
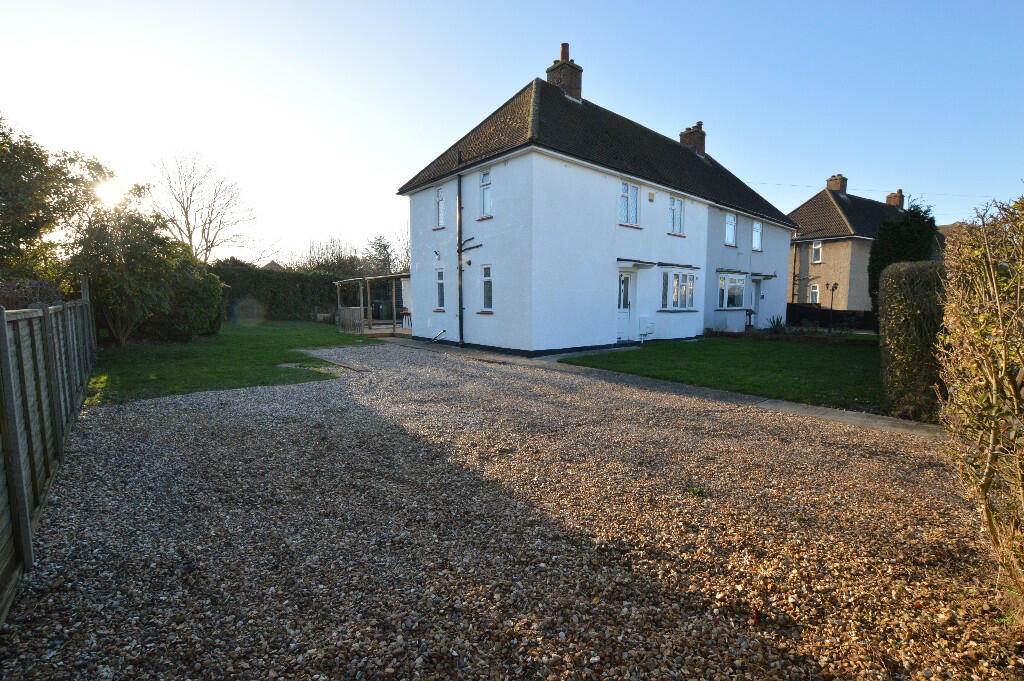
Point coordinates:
[[694, 137], [567, 74], [837, 183], [895, 199]]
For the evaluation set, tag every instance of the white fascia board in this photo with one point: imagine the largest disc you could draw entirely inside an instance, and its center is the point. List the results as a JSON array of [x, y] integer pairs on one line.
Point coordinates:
[[593, 166]]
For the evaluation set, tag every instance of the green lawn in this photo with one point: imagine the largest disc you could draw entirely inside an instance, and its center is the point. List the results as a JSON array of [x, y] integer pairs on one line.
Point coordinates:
[[238, 357], [845, 376]]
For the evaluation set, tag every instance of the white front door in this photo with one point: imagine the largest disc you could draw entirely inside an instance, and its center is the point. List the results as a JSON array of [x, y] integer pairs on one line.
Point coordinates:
[[626, 329]]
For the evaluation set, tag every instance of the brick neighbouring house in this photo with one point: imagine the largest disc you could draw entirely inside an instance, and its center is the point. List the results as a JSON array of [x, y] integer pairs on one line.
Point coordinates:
[[833, 244]]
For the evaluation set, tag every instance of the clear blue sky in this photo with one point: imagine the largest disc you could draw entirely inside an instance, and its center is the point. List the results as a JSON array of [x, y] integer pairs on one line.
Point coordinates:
[[321, 110]]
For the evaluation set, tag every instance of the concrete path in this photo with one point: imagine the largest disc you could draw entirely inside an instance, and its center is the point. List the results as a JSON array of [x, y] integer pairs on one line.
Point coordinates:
[[551, 363]]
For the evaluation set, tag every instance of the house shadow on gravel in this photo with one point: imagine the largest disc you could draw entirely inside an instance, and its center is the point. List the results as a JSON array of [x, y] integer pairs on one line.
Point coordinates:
[[295, 531]]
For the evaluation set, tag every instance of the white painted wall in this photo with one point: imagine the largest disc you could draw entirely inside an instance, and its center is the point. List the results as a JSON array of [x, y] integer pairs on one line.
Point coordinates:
[[773, 259], [577, 241], [553, 245]]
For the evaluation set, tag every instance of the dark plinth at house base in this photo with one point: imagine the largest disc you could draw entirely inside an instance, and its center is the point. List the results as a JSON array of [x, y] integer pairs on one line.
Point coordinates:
[[540, 353]]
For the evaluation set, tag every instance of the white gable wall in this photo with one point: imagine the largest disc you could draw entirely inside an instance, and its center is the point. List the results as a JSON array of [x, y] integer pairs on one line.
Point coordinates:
[[505, 240]]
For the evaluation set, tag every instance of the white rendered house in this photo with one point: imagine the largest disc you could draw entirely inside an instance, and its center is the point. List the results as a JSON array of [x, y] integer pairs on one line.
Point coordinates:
[[579, 228]]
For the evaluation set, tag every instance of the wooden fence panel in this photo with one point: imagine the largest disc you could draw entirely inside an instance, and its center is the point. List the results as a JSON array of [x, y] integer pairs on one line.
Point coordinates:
[[46, 357]]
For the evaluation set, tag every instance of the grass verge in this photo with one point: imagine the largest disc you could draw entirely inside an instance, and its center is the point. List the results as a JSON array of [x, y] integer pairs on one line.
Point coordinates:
[[843, 376], [238, 357]]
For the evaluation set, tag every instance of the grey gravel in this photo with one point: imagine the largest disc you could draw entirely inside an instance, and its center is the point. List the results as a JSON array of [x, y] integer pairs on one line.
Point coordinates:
[[430, 515]]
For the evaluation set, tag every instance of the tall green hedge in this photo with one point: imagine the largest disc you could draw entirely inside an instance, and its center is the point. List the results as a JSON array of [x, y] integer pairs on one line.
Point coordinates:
[[274, 294], [910, 316]]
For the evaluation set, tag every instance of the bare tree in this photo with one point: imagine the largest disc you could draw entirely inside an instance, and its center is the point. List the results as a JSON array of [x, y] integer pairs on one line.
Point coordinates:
[[203, 209]]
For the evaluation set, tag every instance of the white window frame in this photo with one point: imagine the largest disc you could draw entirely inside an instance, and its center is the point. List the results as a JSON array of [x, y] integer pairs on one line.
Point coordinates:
[[439, 299], [730, 220], [623, 296], [757, 237], [813, 295], [486, 200], [486, 281], [629, 197], [676, 216], [815, 252], [440, 217], [727, 281], [677, 290]]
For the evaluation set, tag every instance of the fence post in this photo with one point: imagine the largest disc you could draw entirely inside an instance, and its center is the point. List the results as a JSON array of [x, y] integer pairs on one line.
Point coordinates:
[[20, 511], [90, 321], [56, 399]]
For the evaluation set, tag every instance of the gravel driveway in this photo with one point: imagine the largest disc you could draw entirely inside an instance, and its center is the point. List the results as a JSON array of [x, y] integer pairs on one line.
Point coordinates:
[[430, 515]]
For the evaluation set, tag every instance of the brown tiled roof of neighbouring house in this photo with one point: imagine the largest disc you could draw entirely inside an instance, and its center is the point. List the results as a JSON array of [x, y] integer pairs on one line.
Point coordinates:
[[542, 115], [830, 214]]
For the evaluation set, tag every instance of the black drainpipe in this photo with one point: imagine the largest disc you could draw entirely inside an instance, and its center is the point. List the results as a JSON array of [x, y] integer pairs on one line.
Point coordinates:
[[458, 237]]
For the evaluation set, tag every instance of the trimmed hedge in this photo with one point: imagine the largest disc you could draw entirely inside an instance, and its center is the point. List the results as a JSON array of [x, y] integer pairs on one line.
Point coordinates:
[[910, 316], [274, 294]]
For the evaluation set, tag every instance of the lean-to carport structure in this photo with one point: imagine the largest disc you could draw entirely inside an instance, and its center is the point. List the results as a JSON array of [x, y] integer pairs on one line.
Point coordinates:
[[360, 319]]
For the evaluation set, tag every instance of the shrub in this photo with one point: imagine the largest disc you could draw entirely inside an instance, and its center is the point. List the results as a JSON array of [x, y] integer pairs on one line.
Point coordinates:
[[982, 365], [281, 294], [911, 237], [130, 265], [910, 298], [195, 307]]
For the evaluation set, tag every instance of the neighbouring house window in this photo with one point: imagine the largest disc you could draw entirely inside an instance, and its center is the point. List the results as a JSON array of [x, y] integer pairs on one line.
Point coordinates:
[[628, 204], [439, 206], [814, 293], [815, 251], [485, 193], [675, 215], [730, 291], [488, 287], [440, 289], [730, 229], [755, 240], [676, 290]]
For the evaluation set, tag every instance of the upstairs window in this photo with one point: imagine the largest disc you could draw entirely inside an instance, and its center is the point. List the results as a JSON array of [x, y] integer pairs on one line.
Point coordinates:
[[755, 239], [676, 290], [815, 251], [675, 215], [730, 230], [440, 289], [628, 197], [488, 287], [485, 194], [439, 206], [730, 291]]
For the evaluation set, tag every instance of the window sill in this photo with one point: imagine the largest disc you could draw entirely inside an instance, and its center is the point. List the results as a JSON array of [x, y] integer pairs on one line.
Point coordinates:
[[757, 250], [816, 263], [730, 309], [681, 236], [731, 245], [437, 229], [485, 312], [484, 217], [623, 224], [438, 309], [678, 311]]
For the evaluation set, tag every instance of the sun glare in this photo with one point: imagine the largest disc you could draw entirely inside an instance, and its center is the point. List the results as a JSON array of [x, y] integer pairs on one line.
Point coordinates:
[[109, 193]]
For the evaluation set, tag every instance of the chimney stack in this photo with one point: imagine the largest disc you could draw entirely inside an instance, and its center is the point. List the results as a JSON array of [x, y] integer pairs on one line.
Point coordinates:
[[567, 74], [837, 183], [895, 199], [693, 137]]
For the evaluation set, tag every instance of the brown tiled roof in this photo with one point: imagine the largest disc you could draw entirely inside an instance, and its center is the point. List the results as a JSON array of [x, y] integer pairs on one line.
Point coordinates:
[[830, 214], [541, 115]]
